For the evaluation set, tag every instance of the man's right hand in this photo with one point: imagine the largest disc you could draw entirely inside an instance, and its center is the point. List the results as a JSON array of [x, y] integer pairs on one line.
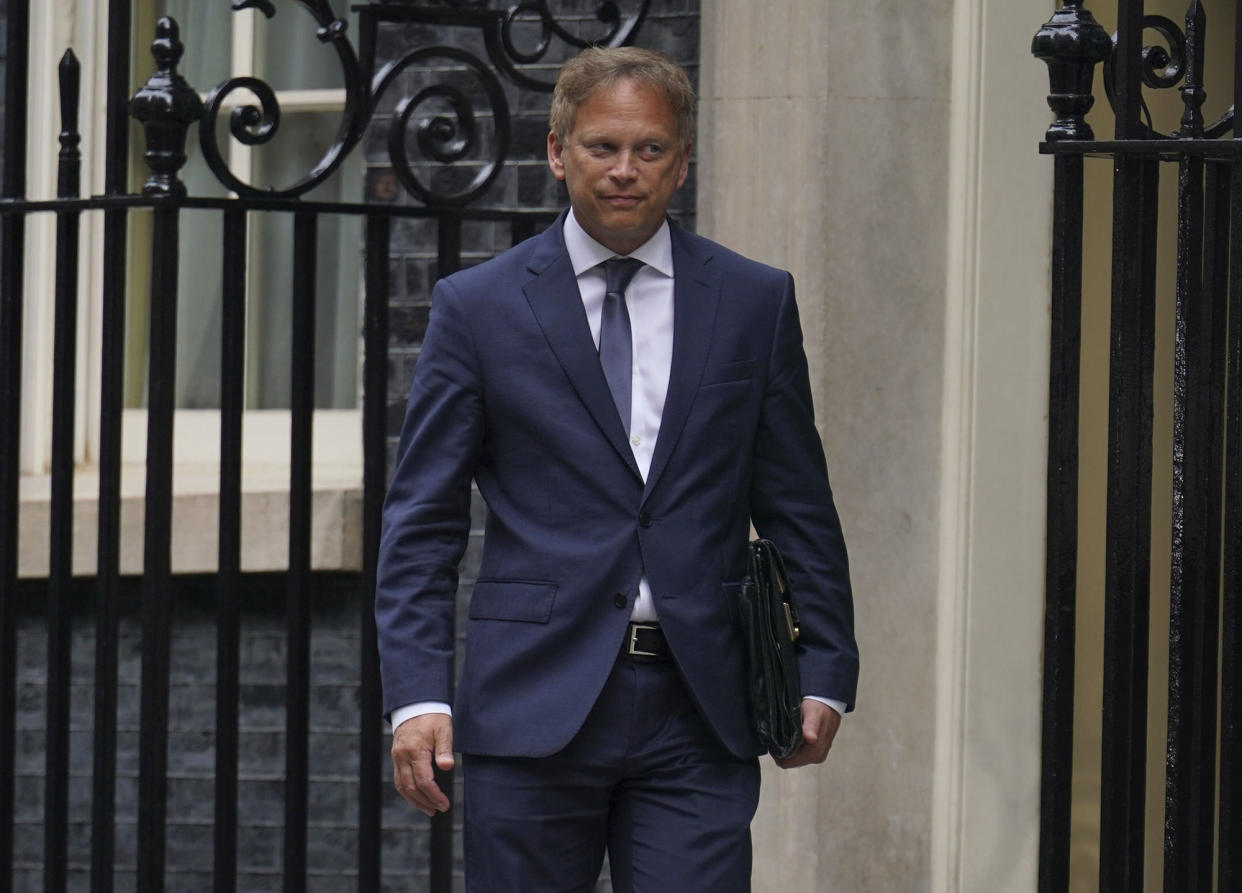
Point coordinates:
[[414, 743]]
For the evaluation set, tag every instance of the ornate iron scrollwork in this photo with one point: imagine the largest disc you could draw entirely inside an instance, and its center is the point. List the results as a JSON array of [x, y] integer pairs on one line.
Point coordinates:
[[440, 137], [449, 133], [255, 125], [1164, 67]]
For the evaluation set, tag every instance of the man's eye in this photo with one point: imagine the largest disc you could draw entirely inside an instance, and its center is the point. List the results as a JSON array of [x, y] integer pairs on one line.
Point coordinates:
[[651, 151]]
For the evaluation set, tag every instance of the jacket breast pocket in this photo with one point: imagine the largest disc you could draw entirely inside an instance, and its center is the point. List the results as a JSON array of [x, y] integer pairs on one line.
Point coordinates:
[[727, 373], [523, 600]]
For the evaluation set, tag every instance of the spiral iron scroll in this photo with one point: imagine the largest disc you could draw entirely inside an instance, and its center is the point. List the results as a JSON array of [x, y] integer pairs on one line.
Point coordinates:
[[445, 137], [254, 125], [1164, 68]]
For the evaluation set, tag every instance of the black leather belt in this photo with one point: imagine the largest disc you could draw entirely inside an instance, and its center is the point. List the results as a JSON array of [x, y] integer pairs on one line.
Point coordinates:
[[644, 641]]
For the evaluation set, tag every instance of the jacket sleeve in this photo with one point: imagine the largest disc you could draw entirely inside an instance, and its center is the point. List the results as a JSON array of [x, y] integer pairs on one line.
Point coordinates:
[[791, 504], [426, 519]]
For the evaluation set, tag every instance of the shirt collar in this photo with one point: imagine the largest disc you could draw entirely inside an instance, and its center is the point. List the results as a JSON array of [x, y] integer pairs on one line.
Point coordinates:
[[585, 253]]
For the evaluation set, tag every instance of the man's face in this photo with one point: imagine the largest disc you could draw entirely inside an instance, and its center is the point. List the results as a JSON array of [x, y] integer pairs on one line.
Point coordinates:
[[622, 163]]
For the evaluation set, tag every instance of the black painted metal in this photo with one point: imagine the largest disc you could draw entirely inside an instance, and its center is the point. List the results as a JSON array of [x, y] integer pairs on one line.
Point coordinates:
[[297, 685], [165, 105], [60, 553], [441, 137], [112, 347], [449, 254], [1229, 844], [12, 278], [1062, 528], [1128, 549], [1072, 43], [374, 483], [157, 589], [1195, 568], [228, 630], [1207, 459]]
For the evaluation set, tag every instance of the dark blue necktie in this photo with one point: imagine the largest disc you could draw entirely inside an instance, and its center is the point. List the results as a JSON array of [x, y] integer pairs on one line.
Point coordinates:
[[615, 340]]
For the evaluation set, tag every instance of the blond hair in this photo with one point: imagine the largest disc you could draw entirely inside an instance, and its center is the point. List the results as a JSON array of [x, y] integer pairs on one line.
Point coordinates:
[[598, 67]]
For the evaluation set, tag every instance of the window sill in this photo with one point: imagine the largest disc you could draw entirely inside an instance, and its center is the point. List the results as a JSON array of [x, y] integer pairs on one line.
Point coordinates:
[[336, 519]]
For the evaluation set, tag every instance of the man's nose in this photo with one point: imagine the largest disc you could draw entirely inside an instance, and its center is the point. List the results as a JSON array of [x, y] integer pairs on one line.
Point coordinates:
[[624, 168]]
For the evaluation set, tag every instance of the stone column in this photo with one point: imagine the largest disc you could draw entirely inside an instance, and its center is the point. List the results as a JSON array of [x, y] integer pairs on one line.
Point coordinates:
[[823, 149], [885, 153]]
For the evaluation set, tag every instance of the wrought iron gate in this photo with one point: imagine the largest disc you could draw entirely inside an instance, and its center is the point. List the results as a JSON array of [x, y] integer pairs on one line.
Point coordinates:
[[1203, 751], [168, 107]]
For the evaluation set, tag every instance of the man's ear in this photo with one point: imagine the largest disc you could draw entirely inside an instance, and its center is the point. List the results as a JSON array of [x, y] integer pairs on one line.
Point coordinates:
[[685, 165], [556, 162]]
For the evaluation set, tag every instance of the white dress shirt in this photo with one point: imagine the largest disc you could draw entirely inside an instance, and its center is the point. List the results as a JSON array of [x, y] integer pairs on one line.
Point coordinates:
[[649, 299]]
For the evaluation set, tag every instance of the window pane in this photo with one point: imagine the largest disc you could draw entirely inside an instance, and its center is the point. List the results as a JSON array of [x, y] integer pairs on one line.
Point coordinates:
[[304, 138], [289, 54]]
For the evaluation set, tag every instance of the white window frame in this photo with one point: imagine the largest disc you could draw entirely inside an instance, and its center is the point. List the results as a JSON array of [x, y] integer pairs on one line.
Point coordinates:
[[337, 446]]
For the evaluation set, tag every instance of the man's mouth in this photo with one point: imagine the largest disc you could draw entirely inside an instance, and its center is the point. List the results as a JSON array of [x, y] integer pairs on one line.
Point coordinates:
[[621, 201]]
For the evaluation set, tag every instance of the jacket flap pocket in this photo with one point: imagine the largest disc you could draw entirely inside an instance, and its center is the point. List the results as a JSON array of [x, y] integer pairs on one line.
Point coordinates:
[[524, 600], [727, 372]]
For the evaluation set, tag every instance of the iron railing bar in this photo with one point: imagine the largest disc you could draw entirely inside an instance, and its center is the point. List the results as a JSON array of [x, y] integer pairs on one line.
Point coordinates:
[[157, 590], [116, 134], [60, 546], [374, 480], [448, 238], [108, 562], [228, 602], [1061, 579], [1229, 799], [1195, 557], [12, 206], [297, 686], [1165, 149], [1229, 819], [1127, 68], [111, 403], [1128, 527], [12, 280]]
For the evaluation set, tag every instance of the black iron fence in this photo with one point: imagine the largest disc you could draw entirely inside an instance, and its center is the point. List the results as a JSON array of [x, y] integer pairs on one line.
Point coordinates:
[[111, 608], [1202, 842]]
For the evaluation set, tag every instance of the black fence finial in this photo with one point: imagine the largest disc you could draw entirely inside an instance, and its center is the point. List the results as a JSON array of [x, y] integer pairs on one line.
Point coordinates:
[[1071, 43], [166, 105]]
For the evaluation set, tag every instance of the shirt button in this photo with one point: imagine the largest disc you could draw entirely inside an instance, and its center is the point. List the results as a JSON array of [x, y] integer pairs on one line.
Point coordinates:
[[636, 440], [644, 519], [620, 600]]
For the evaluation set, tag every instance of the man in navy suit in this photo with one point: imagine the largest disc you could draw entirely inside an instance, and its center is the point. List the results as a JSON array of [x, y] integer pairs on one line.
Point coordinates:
[[602, 700]]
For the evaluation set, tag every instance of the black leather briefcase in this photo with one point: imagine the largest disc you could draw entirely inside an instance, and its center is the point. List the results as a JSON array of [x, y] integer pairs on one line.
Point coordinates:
[[769, 620]]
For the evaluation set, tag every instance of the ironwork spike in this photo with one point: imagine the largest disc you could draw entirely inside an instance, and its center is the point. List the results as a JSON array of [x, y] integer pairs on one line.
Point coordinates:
[[1192, 91], [1072, 43], [69, 170], [166, 105]]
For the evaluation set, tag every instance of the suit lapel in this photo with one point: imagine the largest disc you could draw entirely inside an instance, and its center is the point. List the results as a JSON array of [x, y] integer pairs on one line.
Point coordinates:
[[557, 304], [696, 295]]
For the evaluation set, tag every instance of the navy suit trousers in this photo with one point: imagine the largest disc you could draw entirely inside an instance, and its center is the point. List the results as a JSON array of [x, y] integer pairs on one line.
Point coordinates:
[[644, 778]]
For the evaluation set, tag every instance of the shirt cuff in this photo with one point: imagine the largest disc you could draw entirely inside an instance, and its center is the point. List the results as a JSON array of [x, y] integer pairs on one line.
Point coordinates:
[[838, 706], [418, 708]]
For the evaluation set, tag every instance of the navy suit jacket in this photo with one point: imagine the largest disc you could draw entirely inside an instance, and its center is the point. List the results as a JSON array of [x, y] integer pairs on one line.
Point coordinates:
[[509, 391]]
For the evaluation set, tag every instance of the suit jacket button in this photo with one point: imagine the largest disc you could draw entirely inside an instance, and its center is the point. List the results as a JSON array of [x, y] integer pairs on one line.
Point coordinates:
[[620, 600], [644, 519]]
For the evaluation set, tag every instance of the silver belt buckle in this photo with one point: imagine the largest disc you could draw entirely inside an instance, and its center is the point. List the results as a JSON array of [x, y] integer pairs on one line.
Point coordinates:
[[632, 648]]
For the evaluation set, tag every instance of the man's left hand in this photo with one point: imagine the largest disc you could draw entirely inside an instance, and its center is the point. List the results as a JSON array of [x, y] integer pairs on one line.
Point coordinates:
[[819, 726]]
